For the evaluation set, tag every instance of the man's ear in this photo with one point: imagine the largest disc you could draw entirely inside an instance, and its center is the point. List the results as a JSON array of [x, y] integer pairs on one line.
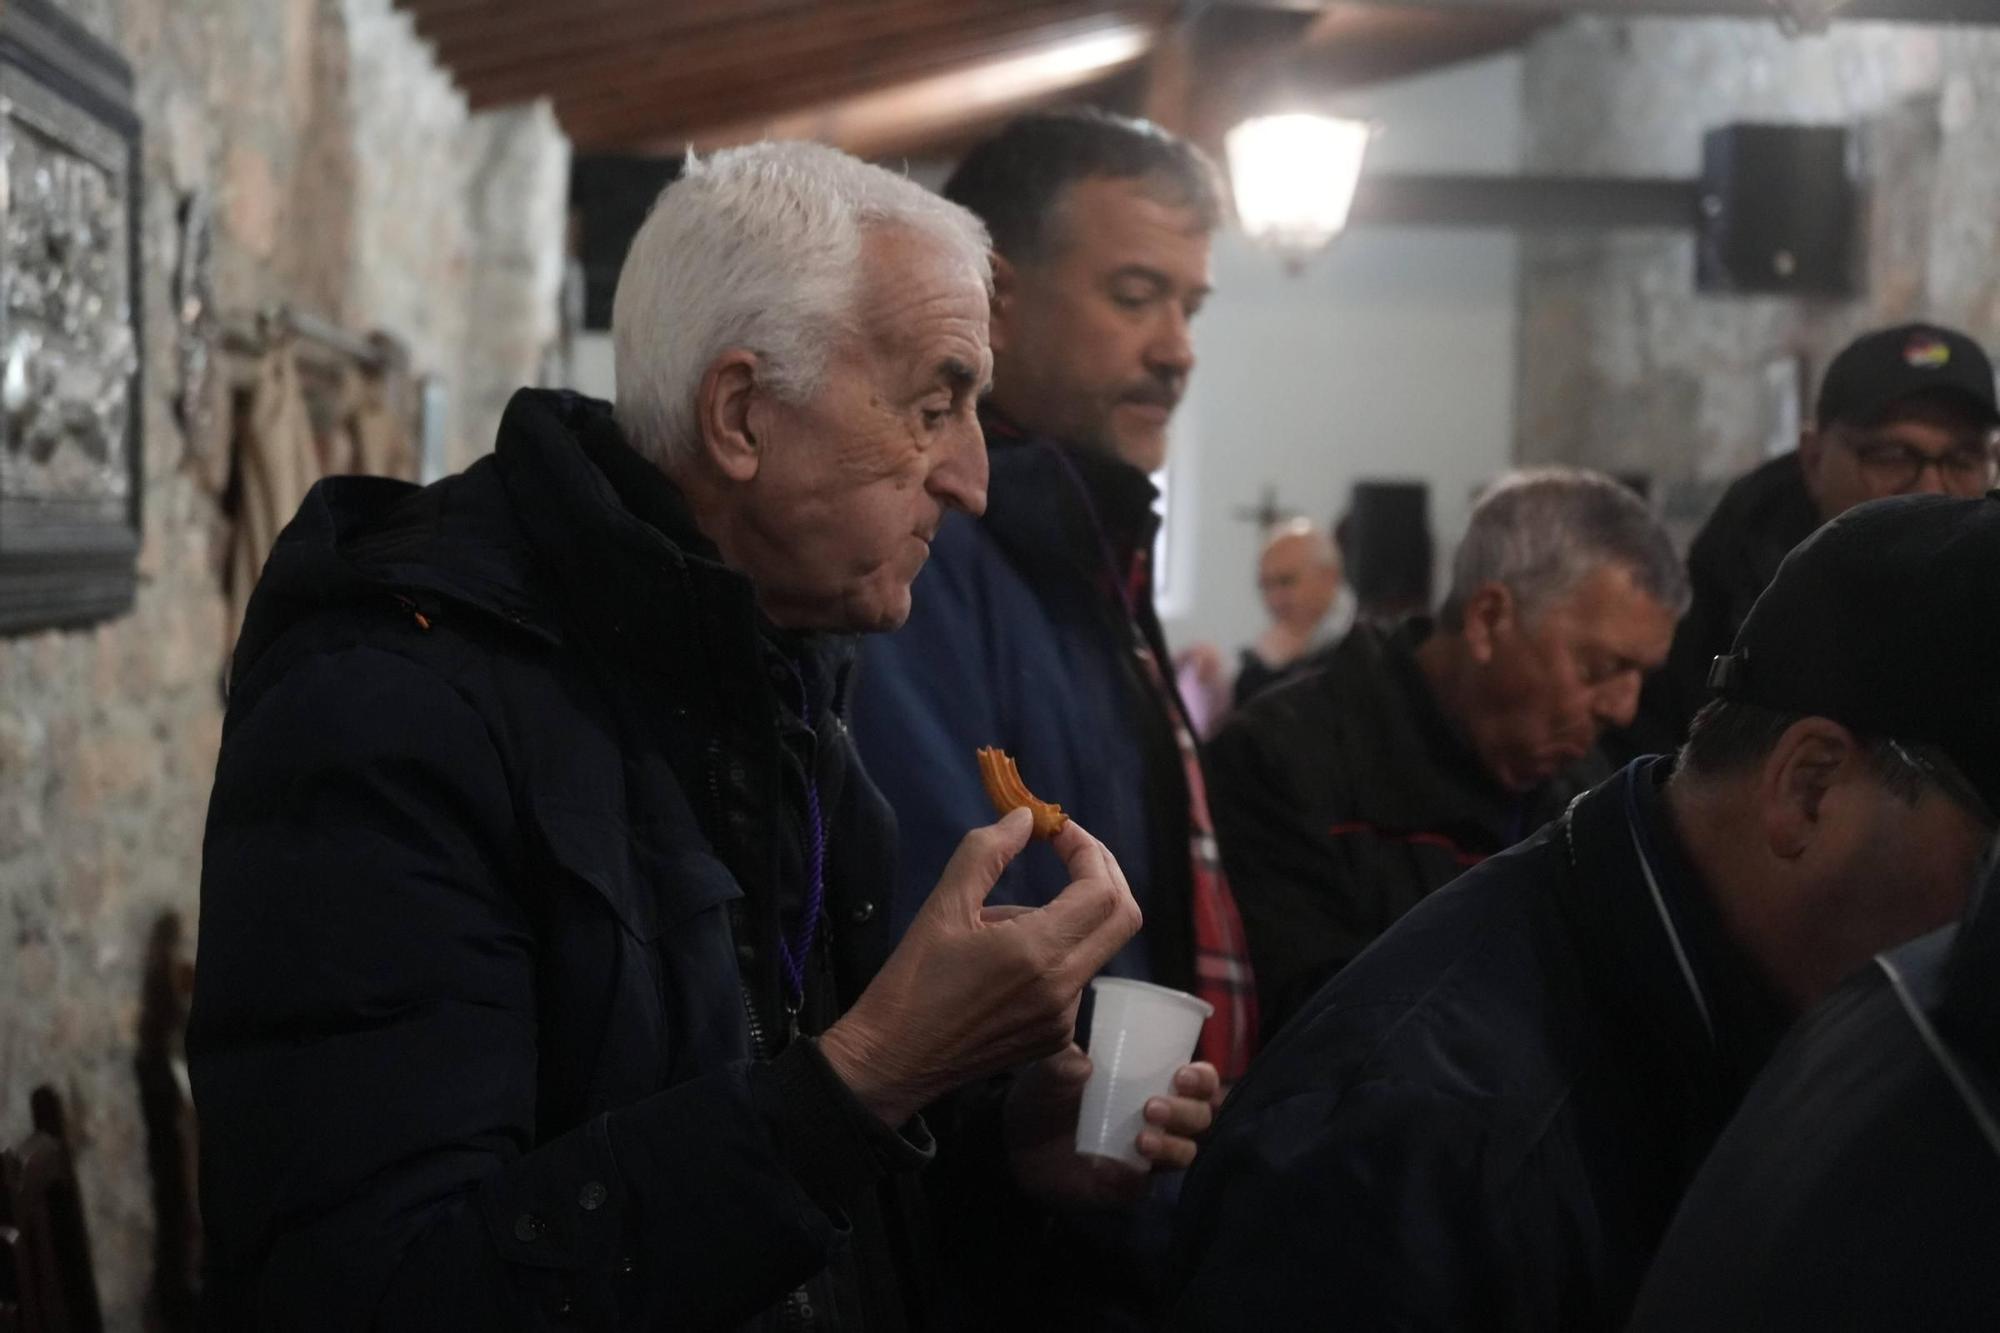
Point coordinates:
[[1006, 287], [1489, 615], [1812, 758], [723, 414]]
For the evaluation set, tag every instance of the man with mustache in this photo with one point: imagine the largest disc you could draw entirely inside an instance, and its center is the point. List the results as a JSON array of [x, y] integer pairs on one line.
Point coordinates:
[[1347, 795], [1035, 630]]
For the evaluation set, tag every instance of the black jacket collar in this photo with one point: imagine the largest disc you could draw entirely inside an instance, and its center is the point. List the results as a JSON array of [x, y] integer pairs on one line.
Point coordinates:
[[637, 568], [1653, 948], [1426, 775], [585, 538], [1067, 515]]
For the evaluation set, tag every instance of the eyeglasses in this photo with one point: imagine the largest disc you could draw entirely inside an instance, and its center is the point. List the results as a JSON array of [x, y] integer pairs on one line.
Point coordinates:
[[1894, 466], [1935, 765]]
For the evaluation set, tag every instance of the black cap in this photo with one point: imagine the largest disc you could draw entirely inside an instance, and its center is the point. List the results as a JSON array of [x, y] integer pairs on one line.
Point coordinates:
[[1878, 370], [1887, 620]]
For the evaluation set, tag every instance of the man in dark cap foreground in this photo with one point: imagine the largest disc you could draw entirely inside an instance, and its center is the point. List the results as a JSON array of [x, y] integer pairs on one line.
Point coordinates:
[[1488, 1119], [1859, 1187], [1902, 411]]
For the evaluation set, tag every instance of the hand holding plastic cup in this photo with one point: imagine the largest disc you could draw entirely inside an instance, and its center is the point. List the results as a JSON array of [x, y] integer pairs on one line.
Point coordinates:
[[1140, 1034]]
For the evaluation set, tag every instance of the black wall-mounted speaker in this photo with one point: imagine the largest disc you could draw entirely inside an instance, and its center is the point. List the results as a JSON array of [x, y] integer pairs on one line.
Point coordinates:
[[1779, 211], [1385, 542], [610, 197]]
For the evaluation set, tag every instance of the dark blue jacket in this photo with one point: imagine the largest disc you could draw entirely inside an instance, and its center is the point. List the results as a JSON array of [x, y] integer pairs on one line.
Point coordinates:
[[488, 1027], [1485, 1120], [1859, 1186], [1023, 635]]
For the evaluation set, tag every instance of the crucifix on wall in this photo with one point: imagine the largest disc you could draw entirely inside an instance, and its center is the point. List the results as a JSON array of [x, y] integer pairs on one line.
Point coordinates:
[[1266, 514]]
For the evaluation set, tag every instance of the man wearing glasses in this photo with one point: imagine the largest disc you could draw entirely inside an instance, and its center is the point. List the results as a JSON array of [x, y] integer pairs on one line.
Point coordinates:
[[1902, 411]]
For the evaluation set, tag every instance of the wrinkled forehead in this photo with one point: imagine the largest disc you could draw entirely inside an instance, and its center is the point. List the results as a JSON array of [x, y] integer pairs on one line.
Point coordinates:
[[1609, 607], [916, 296]]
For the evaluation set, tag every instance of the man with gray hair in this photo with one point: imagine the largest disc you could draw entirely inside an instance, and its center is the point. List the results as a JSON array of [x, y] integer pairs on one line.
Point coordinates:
[[545, 977], [1344, 797]]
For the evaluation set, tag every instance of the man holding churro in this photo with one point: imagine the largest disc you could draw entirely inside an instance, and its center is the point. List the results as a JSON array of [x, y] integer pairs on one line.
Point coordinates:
[[543, 981]]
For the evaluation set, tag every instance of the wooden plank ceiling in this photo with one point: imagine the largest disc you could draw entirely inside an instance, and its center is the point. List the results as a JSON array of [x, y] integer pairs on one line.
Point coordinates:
[[887, 77]]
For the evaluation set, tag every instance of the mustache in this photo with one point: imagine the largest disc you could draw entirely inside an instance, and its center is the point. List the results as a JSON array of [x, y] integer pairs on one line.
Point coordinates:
[[1154, 393]]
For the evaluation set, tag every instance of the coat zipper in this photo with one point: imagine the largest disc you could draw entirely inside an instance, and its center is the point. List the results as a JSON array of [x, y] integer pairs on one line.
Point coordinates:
[[797, 1315]]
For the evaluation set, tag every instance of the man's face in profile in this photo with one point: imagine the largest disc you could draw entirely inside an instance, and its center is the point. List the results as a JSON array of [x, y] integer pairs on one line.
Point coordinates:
[[857, 479], [1092, 337]]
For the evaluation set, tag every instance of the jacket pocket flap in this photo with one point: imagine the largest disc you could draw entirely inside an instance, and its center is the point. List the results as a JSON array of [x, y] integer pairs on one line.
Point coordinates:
[[650, 883]]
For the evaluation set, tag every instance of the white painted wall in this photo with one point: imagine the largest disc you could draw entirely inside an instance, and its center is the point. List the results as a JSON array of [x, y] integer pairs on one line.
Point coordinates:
[[1391, 356], [593, 367]]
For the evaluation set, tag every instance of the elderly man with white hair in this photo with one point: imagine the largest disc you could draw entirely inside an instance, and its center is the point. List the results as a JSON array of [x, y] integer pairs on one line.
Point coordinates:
[[544, 975]]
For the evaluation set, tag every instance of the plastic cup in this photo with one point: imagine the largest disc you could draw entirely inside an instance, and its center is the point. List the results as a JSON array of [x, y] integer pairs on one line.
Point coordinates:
[[1139, 1035]]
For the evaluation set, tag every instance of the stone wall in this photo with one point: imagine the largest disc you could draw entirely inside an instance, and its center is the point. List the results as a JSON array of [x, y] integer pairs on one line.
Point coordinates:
[[1622, 365], [518, 193], [348, 179]]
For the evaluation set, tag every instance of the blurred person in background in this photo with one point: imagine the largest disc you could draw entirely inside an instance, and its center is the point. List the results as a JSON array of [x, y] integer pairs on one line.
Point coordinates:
[[1298, 576]]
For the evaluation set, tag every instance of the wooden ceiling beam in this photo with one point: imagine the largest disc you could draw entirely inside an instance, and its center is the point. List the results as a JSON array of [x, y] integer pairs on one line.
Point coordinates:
[[1914, 11], [655, 36], [474, 22], [728, 97], [944, 105], [1355, 44], [807, 73], [777, 51]]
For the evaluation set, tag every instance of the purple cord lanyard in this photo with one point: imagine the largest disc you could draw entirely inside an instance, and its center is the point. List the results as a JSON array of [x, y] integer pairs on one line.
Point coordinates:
[[798, 947]]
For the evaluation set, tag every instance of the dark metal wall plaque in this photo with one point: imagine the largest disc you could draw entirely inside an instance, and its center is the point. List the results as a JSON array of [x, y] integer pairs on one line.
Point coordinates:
[[71, 467]]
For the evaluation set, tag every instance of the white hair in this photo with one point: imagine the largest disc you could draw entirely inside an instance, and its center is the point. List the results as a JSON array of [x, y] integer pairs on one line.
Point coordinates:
[[1541, 531], [759, 248]]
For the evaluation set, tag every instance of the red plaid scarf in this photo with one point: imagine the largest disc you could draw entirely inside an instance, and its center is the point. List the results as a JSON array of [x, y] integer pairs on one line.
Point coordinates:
[[1221, 957], [1222, 973]]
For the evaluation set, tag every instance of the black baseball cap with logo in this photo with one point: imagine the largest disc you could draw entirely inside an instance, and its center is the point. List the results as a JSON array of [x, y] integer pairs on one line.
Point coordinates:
[[1879, 370], [1887, 620]]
